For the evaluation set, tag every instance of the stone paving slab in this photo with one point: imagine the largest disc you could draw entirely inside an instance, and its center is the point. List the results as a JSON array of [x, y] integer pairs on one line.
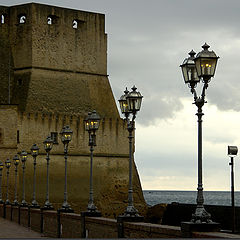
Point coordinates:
[[10, 229]]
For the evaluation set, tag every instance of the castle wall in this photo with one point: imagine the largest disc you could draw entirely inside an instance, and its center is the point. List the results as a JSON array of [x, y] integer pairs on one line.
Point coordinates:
[[56, 74], [110, 163]]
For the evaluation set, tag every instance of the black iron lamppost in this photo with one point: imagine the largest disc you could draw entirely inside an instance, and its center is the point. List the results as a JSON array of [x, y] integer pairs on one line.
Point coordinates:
[[66, 137], [8, 165], [91, 125], [16, 162], [1, 168], [48, 144], [130, 104], [232, 152], [202, 67], [23, 159], [34, 153]]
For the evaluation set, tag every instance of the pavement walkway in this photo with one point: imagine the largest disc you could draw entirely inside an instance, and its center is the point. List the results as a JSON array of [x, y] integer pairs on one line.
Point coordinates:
[[9, 229]]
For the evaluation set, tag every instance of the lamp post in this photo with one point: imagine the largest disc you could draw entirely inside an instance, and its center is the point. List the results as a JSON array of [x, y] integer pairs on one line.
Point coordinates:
[[48, 144], [34, 153], [16, 162], [130, 104], [66, 137], [202, 67], [1, 168], [8, 165], [23, 159], [232, 152], [91, 125]]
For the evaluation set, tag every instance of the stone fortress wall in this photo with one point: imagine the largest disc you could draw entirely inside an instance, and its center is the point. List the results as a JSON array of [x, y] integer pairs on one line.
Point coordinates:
[[52, 75]]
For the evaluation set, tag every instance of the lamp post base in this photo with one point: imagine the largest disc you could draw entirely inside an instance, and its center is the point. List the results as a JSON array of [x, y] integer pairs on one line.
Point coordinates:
[[188, 227], [47, 206], [91, 213], [24, 204], [66, 209], [7, 202], [15, 203], [34, 204]]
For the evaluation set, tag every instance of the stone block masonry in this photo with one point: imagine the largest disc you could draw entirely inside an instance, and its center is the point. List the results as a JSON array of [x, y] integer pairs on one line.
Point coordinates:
[[52, 74], [70, 225]]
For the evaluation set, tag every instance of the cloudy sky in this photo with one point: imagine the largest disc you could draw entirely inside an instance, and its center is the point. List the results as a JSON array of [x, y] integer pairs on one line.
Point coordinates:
[[147, 41]]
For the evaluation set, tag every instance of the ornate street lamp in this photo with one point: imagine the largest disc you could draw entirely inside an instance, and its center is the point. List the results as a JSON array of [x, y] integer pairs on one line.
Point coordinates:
[[66, 137], [48, 144], [1, 168], [130, 104], [195, 68], [8, 165], [232, 152], [16, 162], [34, 153], [91, 125], [23, 156]]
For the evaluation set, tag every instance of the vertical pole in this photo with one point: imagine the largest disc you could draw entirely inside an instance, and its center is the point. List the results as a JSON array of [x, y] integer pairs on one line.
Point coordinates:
[[15, 189], [91, 175], [7, 201], [232, 194], [23, 183], [1, 201], [130, 190], [200, 215], [200, 199], [34, 202], [47, 190], [65, 182]]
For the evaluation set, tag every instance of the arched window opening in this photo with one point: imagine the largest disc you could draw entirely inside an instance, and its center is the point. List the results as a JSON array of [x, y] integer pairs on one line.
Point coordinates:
[[75, 24], [49, 21], [22, 18], [52, 19], [2, 19], [20, 82]]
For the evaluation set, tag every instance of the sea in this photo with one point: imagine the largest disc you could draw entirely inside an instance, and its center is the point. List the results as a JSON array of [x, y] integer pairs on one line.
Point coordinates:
[[153, 197]]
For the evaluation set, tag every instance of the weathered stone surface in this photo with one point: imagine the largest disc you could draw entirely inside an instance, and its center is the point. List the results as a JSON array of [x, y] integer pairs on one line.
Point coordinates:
[[56, 74]]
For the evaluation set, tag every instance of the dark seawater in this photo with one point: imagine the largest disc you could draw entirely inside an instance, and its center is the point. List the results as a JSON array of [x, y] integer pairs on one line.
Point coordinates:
[[154, 197]]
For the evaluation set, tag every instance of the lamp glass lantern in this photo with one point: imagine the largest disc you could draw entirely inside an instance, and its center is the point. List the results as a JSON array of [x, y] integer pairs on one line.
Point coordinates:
[[8, 163], [34, 150], [123, 103], [16, 160], [189, 70], [48, 144], [92, 121], [134, 100], [232, 150], [206, 63], [66, 134], [23, 156]]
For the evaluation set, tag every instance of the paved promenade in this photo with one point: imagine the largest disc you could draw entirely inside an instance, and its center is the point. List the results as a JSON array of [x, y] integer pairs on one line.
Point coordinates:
[[10, 229]]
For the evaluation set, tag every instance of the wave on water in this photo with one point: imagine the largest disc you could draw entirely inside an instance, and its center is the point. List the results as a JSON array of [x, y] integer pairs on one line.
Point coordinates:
[[153, 197]]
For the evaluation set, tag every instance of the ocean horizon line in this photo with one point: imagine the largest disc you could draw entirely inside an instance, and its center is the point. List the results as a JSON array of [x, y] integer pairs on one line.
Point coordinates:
[[154, 190]]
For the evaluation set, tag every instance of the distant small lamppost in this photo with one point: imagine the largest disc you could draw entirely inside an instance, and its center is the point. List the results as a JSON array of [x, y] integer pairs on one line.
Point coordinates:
[[1, 168], [23, 156], [66, 137], [91, 125], [8, 165], [34, 153], [130, 104], [232, 152], [48, 144], [202, 67], [16, 162]]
